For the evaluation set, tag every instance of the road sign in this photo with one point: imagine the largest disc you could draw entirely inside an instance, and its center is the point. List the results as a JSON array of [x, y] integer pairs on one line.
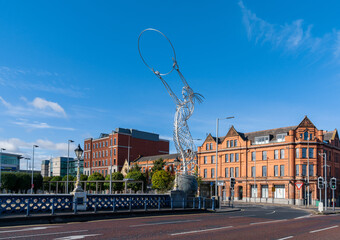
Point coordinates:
[[299, 185], [220, 183], [211, 183]]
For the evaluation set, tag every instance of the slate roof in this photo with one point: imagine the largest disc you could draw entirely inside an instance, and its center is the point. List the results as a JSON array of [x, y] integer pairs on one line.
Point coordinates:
[[328, 135], [156, 157], [271, 132]]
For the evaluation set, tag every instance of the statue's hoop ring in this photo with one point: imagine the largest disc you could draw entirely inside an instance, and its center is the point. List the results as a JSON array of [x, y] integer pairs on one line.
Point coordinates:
[[173, 49]]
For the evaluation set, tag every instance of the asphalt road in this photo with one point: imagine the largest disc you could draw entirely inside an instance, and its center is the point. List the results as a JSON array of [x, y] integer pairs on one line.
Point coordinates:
[[253, 222]]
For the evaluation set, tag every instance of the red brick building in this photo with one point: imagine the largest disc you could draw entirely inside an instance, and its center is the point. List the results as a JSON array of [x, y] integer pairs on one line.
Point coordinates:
[[267, 164], [120, 145]]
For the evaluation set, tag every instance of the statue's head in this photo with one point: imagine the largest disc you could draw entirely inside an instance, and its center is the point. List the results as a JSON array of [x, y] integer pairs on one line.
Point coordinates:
[[187, 92]]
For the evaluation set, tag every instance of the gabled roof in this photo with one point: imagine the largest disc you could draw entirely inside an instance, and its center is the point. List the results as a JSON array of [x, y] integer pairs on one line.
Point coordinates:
[[153, 158], [306, 123]]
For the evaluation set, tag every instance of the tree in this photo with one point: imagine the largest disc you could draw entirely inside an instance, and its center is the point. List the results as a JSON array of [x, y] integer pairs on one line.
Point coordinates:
[[83, 177], [70, 183], [135, 167], [93, 177], [138, 176], [157, 165], [23, 181], [38, 181], [119, 186], [46, 181], [162, 180], [54, 185], [8, 181]]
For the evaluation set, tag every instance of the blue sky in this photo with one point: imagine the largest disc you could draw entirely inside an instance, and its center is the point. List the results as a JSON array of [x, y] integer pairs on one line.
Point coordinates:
[[71, 69]]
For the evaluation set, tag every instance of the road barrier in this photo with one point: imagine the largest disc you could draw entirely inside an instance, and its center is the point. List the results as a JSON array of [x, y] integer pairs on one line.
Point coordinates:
[[58, 203]]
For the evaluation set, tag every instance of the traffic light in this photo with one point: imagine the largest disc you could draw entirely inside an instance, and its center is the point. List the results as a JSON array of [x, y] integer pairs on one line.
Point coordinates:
[[320, 182], [232, 182], [332, 183]]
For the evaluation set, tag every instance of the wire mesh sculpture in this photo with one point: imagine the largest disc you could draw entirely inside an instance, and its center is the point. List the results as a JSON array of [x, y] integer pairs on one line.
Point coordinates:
[[183, 140]]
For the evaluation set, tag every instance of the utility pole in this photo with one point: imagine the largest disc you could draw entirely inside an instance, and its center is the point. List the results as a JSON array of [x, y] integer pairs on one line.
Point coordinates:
[[216, 160], [325, 179]]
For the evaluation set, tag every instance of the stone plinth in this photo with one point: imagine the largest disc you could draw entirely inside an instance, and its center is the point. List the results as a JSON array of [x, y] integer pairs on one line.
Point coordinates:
[[79, 199]]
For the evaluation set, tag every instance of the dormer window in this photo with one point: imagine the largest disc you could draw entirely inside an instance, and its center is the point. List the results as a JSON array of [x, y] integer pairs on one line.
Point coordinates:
[[262, 140], [281, 137]]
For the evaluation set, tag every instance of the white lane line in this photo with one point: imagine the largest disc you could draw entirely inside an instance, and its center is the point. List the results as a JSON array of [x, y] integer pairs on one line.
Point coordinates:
[[306, 216], [285, 238], [160, 223], [271, 212], [44, 234], [74, 237], [323, 229], [242, 216], [198, 231], [26, 229], [268, 222]]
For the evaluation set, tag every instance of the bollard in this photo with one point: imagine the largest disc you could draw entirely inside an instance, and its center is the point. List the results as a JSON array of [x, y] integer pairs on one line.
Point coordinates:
[[145, 204], [114, 205], [172, 203], [52, 206], [213, 203], [183, 204], [159, 203], [199, 202], [204, 205], [193, 203], [130, 203], [28, 207]]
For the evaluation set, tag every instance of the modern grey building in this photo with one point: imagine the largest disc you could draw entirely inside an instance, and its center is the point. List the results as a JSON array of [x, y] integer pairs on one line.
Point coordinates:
[[10, 162]]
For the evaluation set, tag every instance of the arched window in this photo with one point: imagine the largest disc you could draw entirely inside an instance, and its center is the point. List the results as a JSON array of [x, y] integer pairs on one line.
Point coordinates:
[[305, 136]]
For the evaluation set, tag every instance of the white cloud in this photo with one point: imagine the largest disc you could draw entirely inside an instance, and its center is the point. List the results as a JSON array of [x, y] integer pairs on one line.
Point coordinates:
[[39, 106], [293, 37], [45, 150], [40, 125], [44, 104]]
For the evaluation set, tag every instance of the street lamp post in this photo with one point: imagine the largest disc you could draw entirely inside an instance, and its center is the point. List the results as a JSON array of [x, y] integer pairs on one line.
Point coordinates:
[[111, 152], [1, 149], [79, 152], [216, 160], [32, 184], [68, 159]]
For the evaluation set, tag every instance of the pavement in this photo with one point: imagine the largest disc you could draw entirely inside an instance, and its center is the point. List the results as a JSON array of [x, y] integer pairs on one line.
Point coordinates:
[[250, 222]]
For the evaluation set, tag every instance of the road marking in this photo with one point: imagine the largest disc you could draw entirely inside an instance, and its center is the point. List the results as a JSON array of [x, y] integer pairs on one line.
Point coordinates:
[[323, 229], [44, 234], [198, 231], [243, 216], [306, 216], [268, 222], [76, 237], [160, 223], [271, 212], [26, 229], [285, 238]]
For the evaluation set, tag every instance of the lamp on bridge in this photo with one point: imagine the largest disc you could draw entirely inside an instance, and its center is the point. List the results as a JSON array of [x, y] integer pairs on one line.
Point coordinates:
[[79, 196]]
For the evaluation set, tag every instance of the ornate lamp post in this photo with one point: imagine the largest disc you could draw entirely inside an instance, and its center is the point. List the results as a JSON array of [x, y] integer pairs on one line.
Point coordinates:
[[176, 162], [79, 153]]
